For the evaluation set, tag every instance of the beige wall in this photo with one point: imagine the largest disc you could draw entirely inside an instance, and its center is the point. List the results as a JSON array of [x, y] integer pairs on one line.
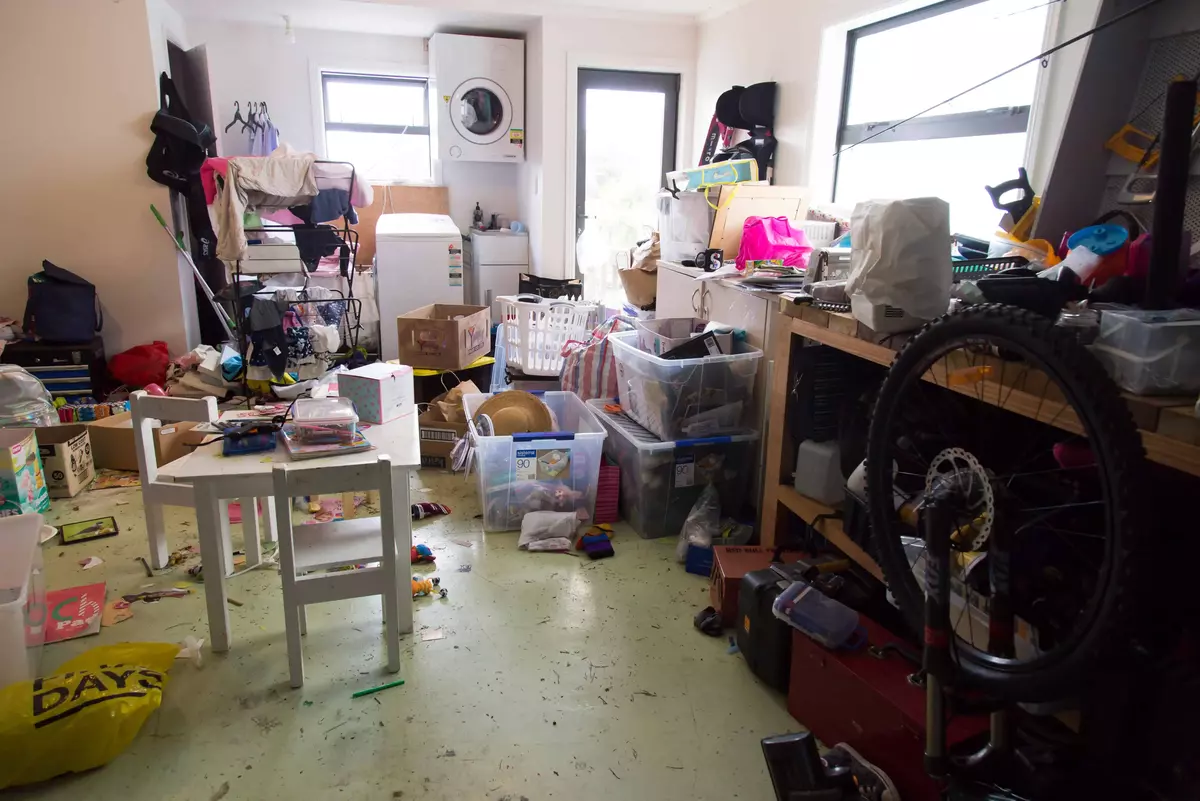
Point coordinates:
[[77, 86]]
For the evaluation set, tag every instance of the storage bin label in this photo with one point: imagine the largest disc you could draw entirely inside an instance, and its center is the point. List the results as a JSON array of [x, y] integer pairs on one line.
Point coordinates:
[[685, 471], [548, 464]]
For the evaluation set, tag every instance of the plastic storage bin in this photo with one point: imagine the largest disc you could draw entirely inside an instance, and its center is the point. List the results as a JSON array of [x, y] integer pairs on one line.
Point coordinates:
[[827, 620], [535, 330], [556, 471], [324, 421], [660, 481], [685, 398], [661, 335], [22, 599], [1151, 352]]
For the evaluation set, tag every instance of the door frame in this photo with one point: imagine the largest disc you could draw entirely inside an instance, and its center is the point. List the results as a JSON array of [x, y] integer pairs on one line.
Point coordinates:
[[620, 80], [683, 129]]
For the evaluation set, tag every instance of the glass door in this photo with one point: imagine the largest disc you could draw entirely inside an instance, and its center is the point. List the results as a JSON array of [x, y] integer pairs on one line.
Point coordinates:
[[625, 143]]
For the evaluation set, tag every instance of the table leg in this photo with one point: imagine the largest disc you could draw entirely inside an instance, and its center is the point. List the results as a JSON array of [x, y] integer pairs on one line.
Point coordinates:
[[156, 532], [226, 539], [403, 547], [210, 511], [252, 544], [271, 522]]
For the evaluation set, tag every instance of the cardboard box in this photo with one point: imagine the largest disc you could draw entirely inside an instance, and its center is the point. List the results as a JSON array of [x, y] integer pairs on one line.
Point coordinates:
[[438, 435], [730, 564], [113, 447], [22, 479], [444, 336], [381, 392], [66, 453]]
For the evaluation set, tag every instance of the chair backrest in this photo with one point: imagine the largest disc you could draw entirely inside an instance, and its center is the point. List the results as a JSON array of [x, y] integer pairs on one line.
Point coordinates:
[[293, 481], [147, 410]]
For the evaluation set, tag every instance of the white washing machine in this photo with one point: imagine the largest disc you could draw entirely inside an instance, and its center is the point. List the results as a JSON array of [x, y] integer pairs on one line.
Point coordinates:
[[477, 97], [418, 262]]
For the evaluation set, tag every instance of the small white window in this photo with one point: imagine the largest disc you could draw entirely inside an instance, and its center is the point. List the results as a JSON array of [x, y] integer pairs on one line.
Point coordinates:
[[901, 66], [378, 123]]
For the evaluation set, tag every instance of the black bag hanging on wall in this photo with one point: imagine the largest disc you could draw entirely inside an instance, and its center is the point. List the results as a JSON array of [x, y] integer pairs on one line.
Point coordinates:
[[62, 307]]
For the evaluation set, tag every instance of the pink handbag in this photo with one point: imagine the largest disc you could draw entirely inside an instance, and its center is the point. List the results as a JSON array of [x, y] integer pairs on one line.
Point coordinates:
[[589, 368], [773, 238]]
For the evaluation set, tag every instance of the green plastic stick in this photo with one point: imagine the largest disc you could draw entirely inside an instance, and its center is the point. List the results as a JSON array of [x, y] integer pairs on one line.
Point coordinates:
[[370, 690]]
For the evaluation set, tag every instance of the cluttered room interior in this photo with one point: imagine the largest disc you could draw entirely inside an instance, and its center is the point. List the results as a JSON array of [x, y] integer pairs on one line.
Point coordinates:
[[763, 399]]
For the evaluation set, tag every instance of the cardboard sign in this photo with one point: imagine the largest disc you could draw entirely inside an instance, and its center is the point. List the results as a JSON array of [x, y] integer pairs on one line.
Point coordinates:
[[74, 612]]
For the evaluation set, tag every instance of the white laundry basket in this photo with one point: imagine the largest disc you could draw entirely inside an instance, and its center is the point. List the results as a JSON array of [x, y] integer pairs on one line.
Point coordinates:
[[536, 328]]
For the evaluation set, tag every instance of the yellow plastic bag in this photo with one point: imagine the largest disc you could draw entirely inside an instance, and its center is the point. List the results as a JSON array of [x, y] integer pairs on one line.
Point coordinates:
[[85, 715]]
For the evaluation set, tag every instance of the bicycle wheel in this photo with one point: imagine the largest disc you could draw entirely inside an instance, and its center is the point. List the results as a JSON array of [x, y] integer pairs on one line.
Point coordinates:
[[1032, 436]]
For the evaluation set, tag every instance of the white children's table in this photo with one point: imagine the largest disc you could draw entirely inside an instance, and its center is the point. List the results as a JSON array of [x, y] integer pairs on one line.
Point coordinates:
[[215, 477]]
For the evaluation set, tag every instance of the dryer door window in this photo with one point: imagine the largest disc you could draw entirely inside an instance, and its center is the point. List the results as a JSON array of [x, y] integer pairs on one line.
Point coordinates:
[[481, 111]]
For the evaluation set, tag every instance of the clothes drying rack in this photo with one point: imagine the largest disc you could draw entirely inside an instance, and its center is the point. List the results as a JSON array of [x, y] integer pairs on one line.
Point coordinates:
[[350, 324]]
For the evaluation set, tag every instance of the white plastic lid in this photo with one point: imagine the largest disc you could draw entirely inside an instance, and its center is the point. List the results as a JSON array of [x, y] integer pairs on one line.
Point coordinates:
[[18, 544], [391, 227], [325, 411]]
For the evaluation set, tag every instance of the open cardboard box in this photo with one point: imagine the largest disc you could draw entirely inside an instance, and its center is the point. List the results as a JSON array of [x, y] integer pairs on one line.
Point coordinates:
[[66, 452], [113, 445], [438, 434]]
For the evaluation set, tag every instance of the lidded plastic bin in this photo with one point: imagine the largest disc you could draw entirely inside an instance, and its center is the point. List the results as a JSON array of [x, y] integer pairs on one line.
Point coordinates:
[[324, 421], [685, 398], [806, 609], [660, 481], [553, 471], [22, 599], [1151, 352]]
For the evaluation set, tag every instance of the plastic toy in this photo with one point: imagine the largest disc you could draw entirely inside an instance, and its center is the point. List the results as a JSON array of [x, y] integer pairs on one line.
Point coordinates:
[[421, 555], [421, 587]]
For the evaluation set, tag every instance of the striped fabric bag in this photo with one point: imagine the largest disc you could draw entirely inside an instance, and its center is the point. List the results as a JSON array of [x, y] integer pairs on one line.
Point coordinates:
[[589, 368]]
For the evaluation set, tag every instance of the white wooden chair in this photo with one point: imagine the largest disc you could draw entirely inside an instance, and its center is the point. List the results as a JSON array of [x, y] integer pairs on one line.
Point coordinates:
[[307, 552], [149, 412]]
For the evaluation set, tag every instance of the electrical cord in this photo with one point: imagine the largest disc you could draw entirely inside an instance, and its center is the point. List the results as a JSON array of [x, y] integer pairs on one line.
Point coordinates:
[[1040, 57]]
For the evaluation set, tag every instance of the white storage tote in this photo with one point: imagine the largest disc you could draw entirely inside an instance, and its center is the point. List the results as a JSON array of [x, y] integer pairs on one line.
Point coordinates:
[[536, 328], [685, 398], [553, 471], [22, 599]]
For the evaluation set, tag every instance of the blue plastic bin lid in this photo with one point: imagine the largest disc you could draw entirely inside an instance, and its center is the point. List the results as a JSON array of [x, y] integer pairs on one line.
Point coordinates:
[[1100, 239]]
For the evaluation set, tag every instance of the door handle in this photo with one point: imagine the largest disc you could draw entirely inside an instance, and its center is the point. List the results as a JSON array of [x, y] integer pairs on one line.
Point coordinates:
[[695, 305]]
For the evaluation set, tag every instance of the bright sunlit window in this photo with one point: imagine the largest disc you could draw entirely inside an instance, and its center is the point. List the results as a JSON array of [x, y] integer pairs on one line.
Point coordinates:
[[378, 123], [899, 67]]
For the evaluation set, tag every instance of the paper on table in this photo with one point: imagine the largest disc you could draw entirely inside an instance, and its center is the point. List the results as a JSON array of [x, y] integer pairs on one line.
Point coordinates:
[[729, 271]]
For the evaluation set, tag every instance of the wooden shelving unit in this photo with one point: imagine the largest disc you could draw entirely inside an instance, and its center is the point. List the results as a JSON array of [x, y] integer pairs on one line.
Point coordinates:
[[1168, 426]]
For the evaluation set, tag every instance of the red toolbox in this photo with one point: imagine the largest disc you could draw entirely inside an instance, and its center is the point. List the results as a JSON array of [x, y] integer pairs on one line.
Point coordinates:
[[855, 698]]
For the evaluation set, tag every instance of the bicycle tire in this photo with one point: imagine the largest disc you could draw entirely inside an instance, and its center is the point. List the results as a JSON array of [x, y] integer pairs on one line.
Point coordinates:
[[1117, 447]]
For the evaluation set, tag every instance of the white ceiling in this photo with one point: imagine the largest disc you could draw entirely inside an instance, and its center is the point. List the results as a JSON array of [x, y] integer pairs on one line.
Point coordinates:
[[423, 17]]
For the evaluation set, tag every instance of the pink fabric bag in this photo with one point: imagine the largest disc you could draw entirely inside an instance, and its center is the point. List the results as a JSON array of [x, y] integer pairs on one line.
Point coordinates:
[[589, 368], [773, 238]]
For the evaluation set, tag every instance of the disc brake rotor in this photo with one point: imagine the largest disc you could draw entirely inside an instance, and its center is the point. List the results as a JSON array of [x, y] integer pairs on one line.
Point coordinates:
[[960, 470]]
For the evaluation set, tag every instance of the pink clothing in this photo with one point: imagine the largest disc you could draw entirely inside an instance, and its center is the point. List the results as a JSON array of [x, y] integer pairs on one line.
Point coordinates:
[[210, 166]]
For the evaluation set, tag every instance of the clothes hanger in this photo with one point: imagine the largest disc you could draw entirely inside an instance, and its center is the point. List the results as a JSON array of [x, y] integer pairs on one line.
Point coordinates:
[[250, 121], [237, 116]]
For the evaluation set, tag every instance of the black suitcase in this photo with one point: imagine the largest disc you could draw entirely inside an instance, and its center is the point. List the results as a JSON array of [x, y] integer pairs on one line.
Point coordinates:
[[765, 640]]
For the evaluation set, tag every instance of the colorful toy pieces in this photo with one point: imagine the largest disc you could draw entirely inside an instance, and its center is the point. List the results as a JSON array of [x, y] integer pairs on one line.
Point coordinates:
[[421, 555], [421, 587]]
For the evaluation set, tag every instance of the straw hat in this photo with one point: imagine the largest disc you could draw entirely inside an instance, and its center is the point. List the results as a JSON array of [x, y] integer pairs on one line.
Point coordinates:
[[516, 412]]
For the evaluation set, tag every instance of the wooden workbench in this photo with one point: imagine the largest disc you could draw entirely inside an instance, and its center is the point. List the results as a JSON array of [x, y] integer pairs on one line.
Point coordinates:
[[1169, 428]]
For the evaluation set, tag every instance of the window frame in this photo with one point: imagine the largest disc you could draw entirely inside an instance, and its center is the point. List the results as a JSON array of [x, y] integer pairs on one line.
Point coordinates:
[[362, 127], [961, 125]]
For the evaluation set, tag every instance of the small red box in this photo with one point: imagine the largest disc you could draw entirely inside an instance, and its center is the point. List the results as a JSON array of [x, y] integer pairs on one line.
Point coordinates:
[[730, 563], [855, 698]]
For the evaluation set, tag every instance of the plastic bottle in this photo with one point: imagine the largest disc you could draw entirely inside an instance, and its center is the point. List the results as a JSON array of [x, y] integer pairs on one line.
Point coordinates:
[[478, 217]]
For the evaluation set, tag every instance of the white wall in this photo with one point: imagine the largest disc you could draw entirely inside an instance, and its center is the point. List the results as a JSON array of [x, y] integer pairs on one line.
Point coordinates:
[[76, 187], [571, 42], [257, 62], [531, 176]]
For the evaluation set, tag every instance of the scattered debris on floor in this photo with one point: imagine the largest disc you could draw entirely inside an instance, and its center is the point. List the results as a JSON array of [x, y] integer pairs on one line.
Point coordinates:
[[155, 595], [427, 586], [90, 562], [115, 612], [425, 509], [107, 478], [380, 688], [464, 568], [432, 634], [86, 530], [74, 612], [181, 555]]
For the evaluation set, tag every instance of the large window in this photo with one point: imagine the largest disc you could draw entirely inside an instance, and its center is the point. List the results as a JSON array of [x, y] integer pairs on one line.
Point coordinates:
[[378, 123], [902, 66]]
